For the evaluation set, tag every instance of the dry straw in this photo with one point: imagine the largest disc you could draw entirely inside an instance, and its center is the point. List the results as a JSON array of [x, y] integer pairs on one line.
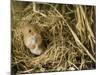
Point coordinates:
[[68, 32]]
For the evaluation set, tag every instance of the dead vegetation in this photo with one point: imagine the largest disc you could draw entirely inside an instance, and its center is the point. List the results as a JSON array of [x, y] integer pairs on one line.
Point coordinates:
[[69, 35]]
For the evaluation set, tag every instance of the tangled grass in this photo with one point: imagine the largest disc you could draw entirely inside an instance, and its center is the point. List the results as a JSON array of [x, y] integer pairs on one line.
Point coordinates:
[[69, 37]]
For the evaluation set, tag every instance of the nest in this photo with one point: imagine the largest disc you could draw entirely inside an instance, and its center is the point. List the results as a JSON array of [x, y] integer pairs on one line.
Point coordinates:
[[68, 33]]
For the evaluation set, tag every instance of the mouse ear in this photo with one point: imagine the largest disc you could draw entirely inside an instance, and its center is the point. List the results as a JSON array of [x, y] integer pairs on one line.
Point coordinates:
[[22, 24], [38, 27]]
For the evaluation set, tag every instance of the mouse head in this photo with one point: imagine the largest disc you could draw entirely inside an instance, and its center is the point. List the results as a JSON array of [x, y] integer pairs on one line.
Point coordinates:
[[30, 29]]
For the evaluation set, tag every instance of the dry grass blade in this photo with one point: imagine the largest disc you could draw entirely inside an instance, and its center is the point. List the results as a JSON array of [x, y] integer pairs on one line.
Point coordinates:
[[80, 44], [68, 35]]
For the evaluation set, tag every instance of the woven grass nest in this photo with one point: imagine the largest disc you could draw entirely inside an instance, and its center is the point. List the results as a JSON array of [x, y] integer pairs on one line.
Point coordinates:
[[68, 32]]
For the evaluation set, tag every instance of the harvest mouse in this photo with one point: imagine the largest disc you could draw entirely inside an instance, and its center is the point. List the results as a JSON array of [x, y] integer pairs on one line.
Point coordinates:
[[33, 39]]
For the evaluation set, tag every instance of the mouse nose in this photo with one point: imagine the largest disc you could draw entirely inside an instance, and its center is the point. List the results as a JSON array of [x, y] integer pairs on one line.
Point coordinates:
[[33, 46]]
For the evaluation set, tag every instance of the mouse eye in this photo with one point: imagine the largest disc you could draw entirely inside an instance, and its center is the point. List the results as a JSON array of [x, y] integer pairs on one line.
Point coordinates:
[[30, 31]]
